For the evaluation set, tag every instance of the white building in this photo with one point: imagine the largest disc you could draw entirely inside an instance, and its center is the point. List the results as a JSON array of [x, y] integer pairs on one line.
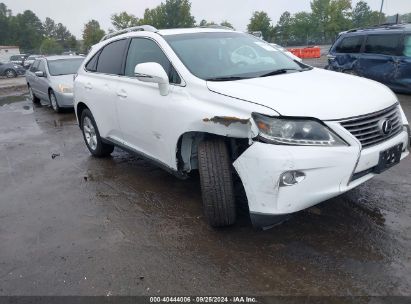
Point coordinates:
[[8, 50]]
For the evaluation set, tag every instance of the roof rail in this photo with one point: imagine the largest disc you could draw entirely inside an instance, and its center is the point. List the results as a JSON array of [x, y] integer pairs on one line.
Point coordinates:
[[147, 28], [377, 26], [216, 26]]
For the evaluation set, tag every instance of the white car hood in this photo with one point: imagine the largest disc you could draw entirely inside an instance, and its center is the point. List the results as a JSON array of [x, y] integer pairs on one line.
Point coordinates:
[[316, 93]]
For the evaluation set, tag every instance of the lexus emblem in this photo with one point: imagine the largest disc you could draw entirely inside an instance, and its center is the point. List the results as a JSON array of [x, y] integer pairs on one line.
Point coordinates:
[[386, 126]]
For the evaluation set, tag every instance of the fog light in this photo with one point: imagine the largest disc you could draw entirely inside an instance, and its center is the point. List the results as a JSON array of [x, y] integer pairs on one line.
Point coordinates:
[[290, 178]]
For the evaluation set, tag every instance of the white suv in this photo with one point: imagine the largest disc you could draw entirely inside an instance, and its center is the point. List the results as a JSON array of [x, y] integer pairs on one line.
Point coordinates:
[[294, 135]]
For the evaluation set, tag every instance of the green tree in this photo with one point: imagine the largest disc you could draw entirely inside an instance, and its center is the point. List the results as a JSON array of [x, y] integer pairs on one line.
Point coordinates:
[[50, 46], [261, 22], [27, 31], [171, 14], [4, 24], [302, 29], [207, 23], [63, 36], [227, 24], [92, 33], [49, 28], [124, 20], [330, 17], [283, 29], [321, 16], [340, 17]]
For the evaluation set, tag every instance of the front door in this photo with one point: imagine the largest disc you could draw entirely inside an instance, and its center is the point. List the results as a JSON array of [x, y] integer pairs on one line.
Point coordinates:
[[42, 84], [143, 113]]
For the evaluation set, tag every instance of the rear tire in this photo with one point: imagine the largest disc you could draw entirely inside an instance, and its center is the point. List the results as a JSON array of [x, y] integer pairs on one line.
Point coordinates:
[[92, 137], [216, 183]]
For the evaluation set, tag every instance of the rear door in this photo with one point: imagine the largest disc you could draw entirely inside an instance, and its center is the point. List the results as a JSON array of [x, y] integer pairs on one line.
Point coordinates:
[[99, 85], [403, 80], [380, 59]]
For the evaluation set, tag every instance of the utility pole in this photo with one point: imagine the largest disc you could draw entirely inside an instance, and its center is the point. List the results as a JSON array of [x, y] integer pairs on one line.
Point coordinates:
[[382, 4]]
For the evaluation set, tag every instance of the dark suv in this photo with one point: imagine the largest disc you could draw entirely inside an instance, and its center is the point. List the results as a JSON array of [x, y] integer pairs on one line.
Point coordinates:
[[380, 53]]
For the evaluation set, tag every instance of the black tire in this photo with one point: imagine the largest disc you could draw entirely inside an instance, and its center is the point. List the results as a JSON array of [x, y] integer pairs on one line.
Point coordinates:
[[54, 102], [33, 97], [10, 73], [216, 183], [101, 149]]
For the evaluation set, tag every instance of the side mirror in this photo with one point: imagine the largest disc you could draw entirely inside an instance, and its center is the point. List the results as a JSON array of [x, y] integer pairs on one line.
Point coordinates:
[[39, 74], [153, 72]]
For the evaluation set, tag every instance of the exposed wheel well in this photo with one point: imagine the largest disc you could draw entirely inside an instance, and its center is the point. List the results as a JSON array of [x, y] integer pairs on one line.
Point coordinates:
[[80, 108], [187, 148]]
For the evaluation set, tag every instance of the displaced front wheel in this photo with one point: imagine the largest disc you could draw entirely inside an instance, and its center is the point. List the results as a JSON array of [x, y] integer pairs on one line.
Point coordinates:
[[92, 136], [216, 183]]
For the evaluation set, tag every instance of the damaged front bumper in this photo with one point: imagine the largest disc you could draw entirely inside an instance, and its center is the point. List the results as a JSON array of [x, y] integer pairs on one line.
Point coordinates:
[[328, 172]]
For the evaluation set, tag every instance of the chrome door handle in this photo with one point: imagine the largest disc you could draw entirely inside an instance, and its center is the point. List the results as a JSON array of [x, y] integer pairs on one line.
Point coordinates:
[[88, 86]]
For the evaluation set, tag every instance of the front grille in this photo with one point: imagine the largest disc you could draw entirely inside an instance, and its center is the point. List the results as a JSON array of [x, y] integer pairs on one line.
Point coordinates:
[[368, 128]]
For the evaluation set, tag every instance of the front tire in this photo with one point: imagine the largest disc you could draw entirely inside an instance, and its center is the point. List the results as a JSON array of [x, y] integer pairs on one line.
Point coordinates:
[[10, 73], [216, 183], [92, 137], [54, 103]]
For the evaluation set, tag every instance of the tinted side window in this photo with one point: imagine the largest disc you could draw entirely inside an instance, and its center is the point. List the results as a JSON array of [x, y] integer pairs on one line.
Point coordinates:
[[407, 46], [34, 66], [350, 45], [382, 44], [145, 50], [111, 58], [92, 64]]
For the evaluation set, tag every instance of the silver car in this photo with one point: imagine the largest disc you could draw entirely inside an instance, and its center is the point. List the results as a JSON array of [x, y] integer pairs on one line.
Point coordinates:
[[51, 79]]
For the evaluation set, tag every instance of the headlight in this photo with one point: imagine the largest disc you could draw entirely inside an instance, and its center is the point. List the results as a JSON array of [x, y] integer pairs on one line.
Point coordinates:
[[16, 66], [65, 88], [295, 131]]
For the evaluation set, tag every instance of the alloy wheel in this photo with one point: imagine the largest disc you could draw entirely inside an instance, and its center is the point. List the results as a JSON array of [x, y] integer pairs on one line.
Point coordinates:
[[90, 133]]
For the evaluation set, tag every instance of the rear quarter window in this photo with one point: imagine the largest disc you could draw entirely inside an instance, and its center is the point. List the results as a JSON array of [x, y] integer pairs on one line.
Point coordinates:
[[91, 66], [382, 44], [350, 44]]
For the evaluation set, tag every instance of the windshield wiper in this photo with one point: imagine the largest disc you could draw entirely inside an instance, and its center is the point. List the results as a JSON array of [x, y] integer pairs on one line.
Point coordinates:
[[278, 72], [227, 78]]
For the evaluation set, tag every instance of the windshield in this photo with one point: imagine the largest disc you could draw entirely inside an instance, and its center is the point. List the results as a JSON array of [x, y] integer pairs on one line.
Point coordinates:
[[222, 55], [64, 66]]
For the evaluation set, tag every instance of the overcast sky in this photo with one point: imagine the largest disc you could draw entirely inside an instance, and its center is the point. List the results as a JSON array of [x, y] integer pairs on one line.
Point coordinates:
[[74, 13]]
